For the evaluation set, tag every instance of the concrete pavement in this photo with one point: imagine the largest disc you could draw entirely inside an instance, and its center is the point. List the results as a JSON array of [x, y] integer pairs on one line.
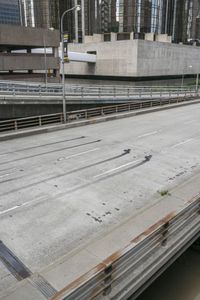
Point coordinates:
[[60, 191]]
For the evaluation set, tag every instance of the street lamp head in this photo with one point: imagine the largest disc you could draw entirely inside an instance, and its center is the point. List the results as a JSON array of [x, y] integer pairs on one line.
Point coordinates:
[[78, 7]]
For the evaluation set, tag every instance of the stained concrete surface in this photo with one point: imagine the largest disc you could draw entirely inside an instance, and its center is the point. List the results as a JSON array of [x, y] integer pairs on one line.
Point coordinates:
[[62, 189]]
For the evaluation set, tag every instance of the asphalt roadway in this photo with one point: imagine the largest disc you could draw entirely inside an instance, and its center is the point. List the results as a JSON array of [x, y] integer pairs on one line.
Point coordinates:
[[63, 189]]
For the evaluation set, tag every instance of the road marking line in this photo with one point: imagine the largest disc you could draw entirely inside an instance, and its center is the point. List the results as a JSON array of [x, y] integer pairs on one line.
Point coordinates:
[[182, 143], [148, 134], [21, 205], [118, 168], [5, 175], [77, 154]]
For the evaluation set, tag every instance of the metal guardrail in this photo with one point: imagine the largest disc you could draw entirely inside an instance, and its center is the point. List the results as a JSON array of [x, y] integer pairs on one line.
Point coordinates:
[[85, 114], [124, 272], [95, 91]]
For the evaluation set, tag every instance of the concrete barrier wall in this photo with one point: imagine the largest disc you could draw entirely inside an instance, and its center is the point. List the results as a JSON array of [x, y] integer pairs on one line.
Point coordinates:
[[27, 62], [27, 36], [137, 58], [113, 59], [165, 59]]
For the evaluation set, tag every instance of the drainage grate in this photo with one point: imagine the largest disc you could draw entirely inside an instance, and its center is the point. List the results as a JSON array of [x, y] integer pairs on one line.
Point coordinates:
[[12, 263]]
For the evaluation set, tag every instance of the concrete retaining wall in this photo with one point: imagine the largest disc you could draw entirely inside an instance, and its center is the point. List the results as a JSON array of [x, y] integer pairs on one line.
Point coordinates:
[[137, 58], [27, 36], [27, 62]]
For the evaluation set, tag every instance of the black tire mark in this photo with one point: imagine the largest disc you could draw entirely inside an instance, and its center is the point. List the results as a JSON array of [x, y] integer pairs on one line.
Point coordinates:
[[52, 151], [74, 189], [147, 159], [43, 145], [74, 170]]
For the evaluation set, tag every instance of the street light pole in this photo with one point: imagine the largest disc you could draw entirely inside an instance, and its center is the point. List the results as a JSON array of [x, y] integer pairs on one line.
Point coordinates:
[[45, 59], [45, 55], [197, 83], [76, 7]]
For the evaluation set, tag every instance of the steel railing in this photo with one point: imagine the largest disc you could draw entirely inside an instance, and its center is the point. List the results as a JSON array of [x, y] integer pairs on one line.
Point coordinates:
[[124, 272], [93, 91], [84, 114]]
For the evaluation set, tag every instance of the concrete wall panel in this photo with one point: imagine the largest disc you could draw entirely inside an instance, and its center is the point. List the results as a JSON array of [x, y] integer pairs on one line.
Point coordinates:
[[27, 36], [137, 58], [27, 62]]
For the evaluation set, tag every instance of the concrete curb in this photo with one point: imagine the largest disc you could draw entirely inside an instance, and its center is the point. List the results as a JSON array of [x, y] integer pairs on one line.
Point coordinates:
[[29, 132]]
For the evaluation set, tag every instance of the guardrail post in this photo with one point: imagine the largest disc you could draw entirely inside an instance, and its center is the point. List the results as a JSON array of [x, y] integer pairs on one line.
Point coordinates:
[[108, 280], [99, 93], [61, 118], [86, 114], [82, 92], [128, 93], [40, 121], [15, 124], [165, 233], [114, 92]]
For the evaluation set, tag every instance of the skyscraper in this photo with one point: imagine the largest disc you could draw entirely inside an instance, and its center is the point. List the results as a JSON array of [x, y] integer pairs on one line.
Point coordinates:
[[40, 13], [10, 12]]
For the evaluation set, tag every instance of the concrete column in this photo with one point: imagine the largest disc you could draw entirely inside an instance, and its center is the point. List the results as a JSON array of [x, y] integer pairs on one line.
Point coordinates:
[[113, 36], [83, 20], [29, 51], [55, 52], [132, 36], [76, 21]]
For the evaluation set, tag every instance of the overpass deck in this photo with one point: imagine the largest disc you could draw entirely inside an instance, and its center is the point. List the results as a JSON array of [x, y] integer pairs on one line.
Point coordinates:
[[62, 192]]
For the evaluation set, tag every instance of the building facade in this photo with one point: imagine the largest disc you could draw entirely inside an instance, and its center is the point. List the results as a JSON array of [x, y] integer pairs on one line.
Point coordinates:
[[10, 12], [40, 13], [178, 18]]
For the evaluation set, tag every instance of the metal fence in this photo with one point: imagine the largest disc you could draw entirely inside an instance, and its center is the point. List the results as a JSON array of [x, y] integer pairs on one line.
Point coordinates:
[[124, 272], [44, 120], [94, 91]]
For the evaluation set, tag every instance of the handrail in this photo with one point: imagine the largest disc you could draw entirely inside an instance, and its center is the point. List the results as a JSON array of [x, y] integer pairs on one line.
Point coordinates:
[[84, 114]]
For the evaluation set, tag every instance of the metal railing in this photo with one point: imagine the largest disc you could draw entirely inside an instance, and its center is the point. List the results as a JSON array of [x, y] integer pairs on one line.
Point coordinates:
[[94, 91], [124, 272], [85, 114]]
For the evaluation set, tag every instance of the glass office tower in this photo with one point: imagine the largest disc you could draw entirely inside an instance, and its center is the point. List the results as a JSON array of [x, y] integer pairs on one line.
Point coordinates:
[[10, 12], [40, 13], [178, 18]]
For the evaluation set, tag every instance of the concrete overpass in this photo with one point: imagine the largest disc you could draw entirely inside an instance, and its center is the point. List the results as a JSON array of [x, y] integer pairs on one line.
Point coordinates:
[[19, 100], [69, 199]]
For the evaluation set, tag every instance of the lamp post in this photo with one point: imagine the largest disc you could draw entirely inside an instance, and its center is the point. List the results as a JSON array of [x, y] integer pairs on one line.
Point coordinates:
[[197, 82], [45, 55], [78, 8]]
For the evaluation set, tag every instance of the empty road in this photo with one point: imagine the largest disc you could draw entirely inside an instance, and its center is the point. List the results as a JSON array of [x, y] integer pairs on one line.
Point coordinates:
[[60, 190]]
